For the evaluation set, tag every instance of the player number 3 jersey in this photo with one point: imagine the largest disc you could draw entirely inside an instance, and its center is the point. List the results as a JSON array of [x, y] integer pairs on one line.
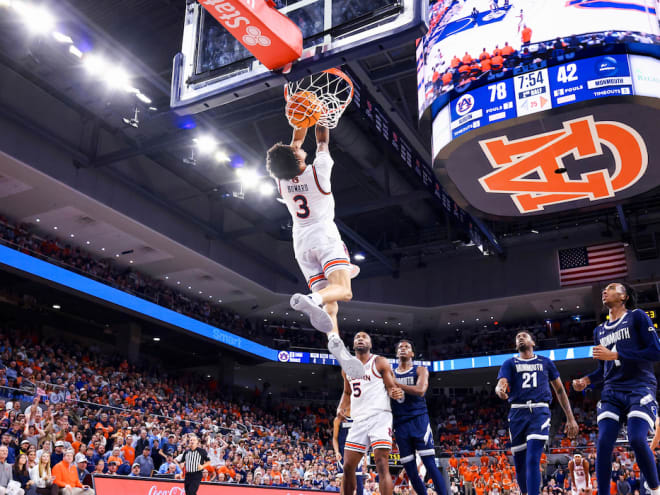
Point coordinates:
[[529, 379], [368, 392], [308, 196]]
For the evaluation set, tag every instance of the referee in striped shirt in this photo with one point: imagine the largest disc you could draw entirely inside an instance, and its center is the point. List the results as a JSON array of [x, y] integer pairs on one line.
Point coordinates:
[[194, 459]]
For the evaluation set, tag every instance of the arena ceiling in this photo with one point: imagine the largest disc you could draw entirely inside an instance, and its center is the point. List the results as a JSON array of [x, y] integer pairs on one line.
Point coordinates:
[[380, 211]]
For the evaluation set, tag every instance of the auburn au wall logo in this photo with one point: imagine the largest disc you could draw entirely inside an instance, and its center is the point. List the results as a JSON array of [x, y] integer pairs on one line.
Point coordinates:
[[525, 168]]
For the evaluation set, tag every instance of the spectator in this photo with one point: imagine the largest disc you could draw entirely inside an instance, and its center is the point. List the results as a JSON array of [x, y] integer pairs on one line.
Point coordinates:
[[20, 472], [11, 452], [81, 465], [42, 478], [135, 470], [112, 469], [127, 451], [57, 456], [526, 35], [66, 477], [99, 467], [141, 443], [165, 467], [146, 462], [5, 471]]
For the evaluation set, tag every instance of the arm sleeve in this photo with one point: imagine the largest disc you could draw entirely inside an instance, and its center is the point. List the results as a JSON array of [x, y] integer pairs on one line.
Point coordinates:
[[204, 455], [647, 337], [597, 377], [506, 371], [180, 457], [323, 163]]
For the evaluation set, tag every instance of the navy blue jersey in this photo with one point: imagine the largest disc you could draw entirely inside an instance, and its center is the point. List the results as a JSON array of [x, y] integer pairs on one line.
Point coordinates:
[[412, 405], [636, 341], [529, 379]]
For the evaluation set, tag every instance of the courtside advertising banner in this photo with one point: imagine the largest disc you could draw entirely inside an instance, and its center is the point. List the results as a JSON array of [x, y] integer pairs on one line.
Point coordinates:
[[465, 32], [114, 485]]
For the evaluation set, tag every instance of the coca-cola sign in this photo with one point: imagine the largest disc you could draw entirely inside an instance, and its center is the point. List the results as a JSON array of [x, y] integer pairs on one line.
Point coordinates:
[[173, 490], [113, 485]]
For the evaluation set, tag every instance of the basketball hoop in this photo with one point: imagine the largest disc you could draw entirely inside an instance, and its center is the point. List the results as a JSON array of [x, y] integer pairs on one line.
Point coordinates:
[[333, 90]]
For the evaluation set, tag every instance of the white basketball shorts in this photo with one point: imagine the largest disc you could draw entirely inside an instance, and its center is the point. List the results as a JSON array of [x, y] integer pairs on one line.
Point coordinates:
[[374, 431], [319, 255]]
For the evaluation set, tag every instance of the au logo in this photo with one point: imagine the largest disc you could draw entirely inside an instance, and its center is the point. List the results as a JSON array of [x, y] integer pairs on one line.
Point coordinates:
[[525, 168], [464, 104]]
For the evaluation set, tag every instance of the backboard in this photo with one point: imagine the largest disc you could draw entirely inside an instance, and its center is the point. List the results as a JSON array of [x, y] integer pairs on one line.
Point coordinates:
[[213, 68]]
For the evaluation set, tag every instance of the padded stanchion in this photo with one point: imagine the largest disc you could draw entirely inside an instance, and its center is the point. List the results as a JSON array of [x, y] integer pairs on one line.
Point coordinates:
[[269, 35]]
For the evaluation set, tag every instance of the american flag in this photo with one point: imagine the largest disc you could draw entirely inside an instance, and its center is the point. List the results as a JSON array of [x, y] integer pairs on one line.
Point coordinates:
[[592, 264]]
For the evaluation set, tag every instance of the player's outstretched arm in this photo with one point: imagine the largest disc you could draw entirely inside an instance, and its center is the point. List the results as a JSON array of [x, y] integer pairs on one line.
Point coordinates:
[[345, 400], [322, 138], [501, 388], [298, 137], [383, 367], [422, 383], [562, 398]]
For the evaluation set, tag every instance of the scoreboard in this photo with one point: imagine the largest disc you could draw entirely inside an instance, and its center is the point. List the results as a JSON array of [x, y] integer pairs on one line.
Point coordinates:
[[536, 91]]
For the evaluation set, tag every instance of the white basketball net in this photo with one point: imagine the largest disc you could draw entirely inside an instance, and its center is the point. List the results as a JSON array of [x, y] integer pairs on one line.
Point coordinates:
[[333, 90]]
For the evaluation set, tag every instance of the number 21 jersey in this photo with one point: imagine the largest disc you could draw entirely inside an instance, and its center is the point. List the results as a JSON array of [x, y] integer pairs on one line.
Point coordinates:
[[529, 379]]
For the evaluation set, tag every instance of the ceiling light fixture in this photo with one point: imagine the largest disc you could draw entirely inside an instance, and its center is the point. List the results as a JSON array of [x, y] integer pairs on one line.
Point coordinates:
[[62, 38], [206, 143], [75, 51], [221, 157], [266, 189]]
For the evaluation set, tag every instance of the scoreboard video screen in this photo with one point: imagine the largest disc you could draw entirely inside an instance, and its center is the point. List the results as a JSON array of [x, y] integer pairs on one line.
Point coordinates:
[[473, 41], [542, 89]]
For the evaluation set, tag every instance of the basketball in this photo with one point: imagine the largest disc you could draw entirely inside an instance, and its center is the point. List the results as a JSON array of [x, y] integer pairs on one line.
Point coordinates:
[[303, 109]]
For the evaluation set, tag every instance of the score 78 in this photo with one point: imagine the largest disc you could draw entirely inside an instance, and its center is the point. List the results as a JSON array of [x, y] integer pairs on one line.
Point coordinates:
[[497, 91]]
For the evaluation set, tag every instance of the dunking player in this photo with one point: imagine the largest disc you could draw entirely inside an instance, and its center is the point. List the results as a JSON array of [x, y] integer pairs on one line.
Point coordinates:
[[340, 428], [367, 395], [412, 428], [578, 469], [317, 245], [627, 346], [529, 377]]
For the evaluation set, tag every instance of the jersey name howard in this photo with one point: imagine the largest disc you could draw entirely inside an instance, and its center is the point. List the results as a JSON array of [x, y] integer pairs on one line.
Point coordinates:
[[520, 368], [614, 337], [297, 188]]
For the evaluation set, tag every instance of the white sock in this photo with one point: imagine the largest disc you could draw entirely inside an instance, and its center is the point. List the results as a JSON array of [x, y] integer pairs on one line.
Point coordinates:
[[317, 298]]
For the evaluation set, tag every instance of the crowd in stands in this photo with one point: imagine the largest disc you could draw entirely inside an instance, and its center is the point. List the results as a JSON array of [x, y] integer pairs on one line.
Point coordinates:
[[89, 411], [118, 419]]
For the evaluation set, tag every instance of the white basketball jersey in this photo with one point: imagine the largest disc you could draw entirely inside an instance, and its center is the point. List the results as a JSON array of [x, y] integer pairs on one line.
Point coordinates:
[[580, 474], [309, 198], [369, 395]]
